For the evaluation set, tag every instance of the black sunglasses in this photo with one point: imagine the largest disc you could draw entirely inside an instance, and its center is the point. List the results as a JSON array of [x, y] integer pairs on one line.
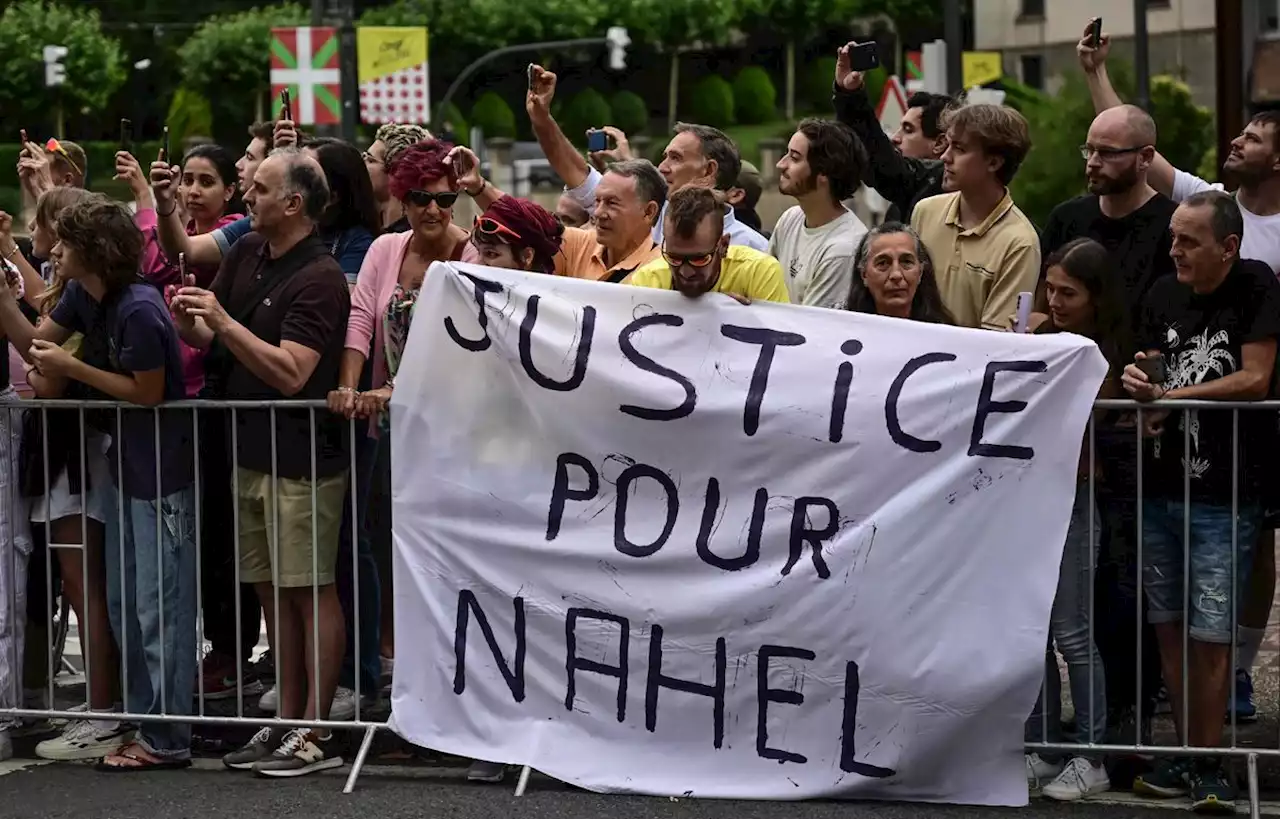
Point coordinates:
[[422, 199]]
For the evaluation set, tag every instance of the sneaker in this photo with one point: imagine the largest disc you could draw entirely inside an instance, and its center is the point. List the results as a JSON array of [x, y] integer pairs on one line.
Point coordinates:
[[481, 771], [270, 701], [1169, 779], [344, 704], [264, 668], [1245, 710], [255, 750], [302, 752], [218, 675], [1079, 779], [388, 671], [1211, 791], [85, 739], [1040, 770]]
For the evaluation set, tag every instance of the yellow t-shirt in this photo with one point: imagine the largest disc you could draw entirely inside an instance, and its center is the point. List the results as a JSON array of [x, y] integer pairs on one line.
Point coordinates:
[[744, 271]]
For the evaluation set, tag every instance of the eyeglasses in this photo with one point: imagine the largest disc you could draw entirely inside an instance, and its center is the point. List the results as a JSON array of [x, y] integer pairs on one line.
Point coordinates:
[[487, 226], [53, 146], [693, 260], [1107, 153], [422, 199]]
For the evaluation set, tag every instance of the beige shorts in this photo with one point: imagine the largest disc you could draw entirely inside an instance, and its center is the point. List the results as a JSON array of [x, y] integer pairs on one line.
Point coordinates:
[[292, 560]]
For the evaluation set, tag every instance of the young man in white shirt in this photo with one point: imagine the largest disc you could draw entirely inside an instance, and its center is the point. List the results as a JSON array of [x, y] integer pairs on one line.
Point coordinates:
[[817, 239]]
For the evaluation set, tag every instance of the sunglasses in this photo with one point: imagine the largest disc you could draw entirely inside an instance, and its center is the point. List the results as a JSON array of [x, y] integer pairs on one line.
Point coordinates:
[[487, 226], [697, 260], [55, 147], [421, 199]]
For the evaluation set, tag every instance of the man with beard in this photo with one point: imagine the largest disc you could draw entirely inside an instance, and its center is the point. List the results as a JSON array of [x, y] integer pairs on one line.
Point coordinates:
[[815, 241], [1122, 212], [697, 257], [1252, 169]]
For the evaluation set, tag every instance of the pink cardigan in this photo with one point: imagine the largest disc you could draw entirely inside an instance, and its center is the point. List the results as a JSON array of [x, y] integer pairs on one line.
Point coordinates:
[[372, 294]]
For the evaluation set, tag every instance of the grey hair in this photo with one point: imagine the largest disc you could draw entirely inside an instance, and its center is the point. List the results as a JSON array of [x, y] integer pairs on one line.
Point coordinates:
[[650, 186], [716, 145], [1225, 217], [863, 255], [304, 176]]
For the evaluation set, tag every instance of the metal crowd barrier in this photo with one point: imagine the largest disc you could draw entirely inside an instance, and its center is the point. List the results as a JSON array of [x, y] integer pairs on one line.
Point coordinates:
[[15, 408]]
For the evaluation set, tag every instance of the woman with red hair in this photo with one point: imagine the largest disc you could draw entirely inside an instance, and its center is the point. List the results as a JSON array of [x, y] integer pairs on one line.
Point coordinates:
[[519, 235]]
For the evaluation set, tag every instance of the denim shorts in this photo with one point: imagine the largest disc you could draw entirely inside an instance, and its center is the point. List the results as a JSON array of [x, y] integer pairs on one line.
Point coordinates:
[[1212, 597]]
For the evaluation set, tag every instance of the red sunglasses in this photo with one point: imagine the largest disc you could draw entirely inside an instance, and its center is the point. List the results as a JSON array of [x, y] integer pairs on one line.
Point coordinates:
[[488, 226]]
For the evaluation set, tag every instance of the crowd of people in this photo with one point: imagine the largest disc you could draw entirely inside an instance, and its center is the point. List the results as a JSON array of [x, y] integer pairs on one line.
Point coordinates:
[[310, 296]]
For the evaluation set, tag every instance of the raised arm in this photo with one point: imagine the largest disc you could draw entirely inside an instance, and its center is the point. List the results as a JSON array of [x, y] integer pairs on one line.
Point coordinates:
[[565, 159], [200, 250]]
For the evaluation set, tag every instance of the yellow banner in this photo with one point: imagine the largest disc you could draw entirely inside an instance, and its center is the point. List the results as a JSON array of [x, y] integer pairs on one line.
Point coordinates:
[[981, 67], [382, 51]]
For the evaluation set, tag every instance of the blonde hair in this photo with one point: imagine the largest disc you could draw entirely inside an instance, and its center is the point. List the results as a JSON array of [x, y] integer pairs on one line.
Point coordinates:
[[999, 131], [49, 207]]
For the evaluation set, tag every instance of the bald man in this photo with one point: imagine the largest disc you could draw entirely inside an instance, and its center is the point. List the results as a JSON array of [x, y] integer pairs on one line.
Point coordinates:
[[1121, 211], [1131, 219]]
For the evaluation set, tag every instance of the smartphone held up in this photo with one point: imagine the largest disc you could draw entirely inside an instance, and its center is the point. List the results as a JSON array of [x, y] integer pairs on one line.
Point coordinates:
[[864, 56]]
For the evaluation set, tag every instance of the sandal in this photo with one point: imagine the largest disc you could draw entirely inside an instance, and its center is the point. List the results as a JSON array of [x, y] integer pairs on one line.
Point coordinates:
[[133, 758]]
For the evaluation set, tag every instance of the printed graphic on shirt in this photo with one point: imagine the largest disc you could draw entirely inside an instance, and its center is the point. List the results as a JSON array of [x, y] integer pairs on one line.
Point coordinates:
[[1200, 358]]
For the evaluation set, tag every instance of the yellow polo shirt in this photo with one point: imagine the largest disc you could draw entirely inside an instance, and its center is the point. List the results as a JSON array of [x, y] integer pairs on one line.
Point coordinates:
[[980, 270], [744, 271]]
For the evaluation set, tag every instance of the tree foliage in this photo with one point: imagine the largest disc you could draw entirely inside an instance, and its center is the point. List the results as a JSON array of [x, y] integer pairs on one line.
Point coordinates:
[[229, 54], [672, 24], [94, 63]]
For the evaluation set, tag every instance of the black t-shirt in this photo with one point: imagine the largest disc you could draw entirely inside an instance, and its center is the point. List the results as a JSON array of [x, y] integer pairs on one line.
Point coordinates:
[[300, 297], [1139, 242], [1201, 337]]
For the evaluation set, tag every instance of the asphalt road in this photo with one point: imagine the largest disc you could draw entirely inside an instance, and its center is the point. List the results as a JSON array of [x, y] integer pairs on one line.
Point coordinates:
[[63, 791]]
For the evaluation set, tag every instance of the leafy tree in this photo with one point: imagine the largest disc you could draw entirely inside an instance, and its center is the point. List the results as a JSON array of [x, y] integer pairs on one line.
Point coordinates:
[[754, 98], [227, 60], [94, 63], [588, 109], [674, 26], [630, 112], [189, 115], [492, 115]]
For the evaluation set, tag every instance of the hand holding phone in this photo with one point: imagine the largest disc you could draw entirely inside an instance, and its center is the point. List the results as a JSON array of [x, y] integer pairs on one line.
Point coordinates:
[[1024, 312], [1154, 368], [286, 108], [164, 146], [597, 141], [1095, 34], [22, 135], [864, 56], [126, 135]]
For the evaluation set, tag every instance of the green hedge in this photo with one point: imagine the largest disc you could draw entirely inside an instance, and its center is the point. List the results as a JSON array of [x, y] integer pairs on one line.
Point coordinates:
[[816, 79], [586, 110], [461, 130], [710, 102], [99, 156], [492, 115], [630, 112], [755, 100]]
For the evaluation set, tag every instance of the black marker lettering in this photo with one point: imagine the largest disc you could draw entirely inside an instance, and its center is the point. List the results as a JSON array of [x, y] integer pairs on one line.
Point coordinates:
[[766, 695], [647, 364], [902, 439], [475, 345], [987, 406], [561, 491], [655, 680], [801, 534], [840, 393], [514, 676], [769, 341], [573, 663], [580, 358], [709, 511], [847, 752], [634, 473]]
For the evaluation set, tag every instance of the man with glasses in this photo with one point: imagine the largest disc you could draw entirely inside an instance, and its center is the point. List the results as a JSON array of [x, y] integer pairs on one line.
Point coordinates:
[[698, 258]]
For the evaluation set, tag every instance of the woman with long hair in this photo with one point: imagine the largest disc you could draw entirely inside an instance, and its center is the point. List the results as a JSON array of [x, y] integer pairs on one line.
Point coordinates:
[[352, 219], [893, 276], [1084, 297]]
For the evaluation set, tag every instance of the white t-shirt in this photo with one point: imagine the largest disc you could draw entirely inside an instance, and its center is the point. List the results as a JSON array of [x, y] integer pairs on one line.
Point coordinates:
[[817, 262], [1261, 233]]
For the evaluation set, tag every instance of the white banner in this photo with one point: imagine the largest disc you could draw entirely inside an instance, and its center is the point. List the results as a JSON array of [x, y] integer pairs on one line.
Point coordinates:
[[686, 547]]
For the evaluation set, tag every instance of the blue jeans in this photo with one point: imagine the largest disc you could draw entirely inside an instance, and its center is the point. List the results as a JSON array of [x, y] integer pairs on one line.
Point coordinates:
[[151, 601], [367, 589], [1069, 629], [1210, 593]]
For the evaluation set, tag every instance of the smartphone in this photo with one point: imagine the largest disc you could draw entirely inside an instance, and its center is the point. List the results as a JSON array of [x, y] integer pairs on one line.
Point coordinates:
[[531, 67], [1095, 36], [286, 109], [597, 141], [1024, 311], [22, 135], [182, 270], [864, 56], [1155, 368], [126, 135], [164, 145]]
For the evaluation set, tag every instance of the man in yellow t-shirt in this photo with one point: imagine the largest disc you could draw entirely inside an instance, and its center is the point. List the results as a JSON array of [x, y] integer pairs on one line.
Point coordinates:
[[697, 257]]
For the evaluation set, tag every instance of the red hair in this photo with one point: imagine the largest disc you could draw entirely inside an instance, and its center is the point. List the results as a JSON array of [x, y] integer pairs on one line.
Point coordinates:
[[420, 164], [538, 229]]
